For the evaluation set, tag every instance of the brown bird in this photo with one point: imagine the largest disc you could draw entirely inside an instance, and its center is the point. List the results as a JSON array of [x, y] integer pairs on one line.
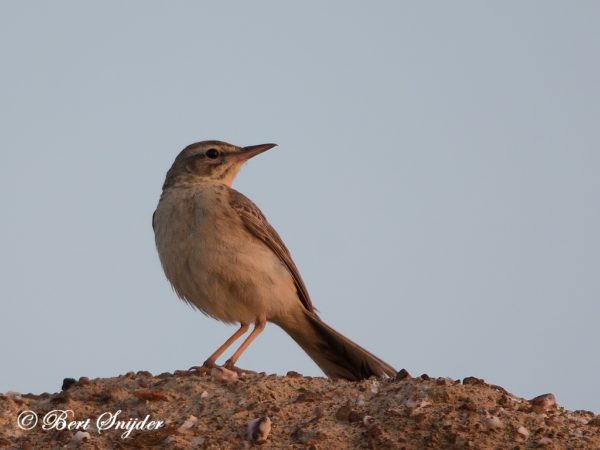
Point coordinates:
[[222, 256]]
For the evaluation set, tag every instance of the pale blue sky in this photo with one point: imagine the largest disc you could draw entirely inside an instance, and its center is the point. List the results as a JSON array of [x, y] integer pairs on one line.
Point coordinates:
[[437, 181]]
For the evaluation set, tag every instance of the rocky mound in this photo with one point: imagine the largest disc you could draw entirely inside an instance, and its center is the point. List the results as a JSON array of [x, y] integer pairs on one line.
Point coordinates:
[[221, 409]]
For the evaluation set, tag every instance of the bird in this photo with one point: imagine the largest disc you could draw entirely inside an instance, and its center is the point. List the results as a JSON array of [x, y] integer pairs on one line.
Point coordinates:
[[224, 258]]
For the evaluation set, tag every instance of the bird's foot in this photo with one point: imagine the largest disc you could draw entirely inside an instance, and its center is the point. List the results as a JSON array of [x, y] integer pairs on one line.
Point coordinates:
[[206, 367], [209, 364], [231, 366]]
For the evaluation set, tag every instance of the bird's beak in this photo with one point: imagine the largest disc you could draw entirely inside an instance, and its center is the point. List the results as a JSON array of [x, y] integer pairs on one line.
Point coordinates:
[[246, 153]]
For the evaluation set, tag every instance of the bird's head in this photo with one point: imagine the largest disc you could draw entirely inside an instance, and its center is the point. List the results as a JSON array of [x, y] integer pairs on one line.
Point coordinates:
[[211, 161]]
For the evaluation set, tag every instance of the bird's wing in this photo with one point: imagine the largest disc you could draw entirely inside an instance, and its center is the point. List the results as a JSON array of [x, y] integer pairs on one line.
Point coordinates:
[[257, 224]]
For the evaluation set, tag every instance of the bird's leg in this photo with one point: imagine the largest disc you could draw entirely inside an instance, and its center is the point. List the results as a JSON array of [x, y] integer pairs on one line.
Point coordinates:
[[212, 359], [259, 326]]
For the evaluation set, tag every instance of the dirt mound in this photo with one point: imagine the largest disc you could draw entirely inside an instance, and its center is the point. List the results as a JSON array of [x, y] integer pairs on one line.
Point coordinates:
[[221, 409]]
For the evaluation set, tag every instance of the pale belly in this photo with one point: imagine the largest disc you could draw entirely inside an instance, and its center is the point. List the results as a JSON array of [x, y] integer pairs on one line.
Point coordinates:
[[214, 264]]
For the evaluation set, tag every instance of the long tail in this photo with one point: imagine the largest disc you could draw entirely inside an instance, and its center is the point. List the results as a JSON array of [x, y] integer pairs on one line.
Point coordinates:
[[334, 353]]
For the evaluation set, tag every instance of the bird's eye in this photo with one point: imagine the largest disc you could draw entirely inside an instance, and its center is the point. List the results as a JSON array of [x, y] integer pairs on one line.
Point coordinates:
[[212, 153]]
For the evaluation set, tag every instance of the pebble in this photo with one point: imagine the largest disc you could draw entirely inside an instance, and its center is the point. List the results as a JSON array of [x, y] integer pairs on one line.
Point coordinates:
[[67, 383], [493, 422], [506, 401], [360, 400], [402, 374], [375, 387], [223, 374], [204, 394], [543, 402], [472, 380], [543, 441], [80, 436], [258, 430], [83, 381], [347, 414], [523, 432], [189, 423]]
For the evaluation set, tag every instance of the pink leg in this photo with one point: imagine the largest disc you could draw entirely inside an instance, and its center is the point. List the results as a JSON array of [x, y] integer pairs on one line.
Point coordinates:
[[212, 359], [259, 326]]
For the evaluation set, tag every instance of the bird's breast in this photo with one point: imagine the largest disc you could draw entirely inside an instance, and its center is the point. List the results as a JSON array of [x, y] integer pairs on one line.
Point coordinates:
[[214, 263]]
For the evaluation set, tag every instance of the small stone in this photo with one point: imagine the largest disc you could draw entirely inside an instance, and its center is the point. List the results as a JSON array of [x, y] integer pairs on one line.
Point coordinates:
[[505, 401], [83, 381], [293, 374], [189, 423], [374, 387], [258, 430], [425, 377], [524, 432], [472, 380], [493, 422], [80, 436], [347, 414], [360, 400], [204, 394], [343, 413], [544, 441], [543, 402], [68, 383], [223, 374], [368, 420], [402, 375]]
